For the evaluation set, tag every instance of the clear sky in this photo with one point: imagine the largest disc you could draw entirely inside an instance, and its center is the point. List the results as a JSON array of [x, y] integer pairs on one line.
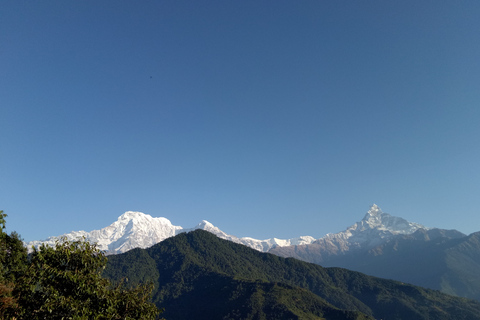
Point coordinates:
[[266, 118]]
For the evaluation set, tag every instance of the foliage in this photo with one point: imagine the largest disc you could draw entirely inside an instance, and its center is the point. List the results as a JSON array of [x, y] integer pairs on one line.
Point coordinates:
[[13, 255], [65, 282], [13, 259]]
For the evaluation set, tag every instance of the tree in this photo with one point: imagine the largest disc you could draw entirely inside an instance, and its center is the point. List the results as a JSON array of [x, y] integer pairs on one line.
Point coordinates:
[[65, 282], [13, 260], [13, 255]]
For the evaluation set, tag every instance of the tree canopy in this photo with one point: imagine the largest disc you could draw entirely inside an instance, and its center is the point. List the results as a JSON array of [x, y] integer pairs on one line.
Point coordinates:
[[64, 282]]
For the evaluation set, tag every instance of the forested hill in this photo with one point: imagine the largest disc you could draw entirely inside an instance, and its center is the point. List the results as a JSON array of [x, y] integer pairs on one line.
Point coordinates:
[[199, 276]]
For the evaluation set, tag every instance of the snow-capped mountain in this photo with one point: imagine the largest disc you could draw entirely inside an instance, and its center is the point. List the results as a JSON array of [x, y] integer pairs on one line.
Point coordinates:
[[390, 247], [140, 230], [375, 228], [131, 230]]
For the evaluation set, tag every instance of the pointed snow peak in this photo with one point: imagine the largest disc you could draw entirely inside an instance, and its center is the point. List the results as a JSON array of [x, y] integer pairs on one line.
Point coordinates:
[[205, 225], [377, 226], [374, 211], [374, 216], [375, 208]]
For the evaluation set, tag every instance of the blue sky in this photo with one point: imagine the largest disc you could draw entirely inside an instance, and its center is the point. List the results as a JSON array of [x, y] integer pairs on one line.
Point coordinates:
[[266, 118]]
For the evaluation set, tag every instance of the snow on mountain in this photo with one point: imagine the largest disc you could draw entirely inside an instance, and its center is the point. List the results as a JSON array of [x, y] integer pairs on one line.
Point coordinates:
[[375, 218], [265, 245], [138, 230], [373, 229], [260, 245], [131, 230]]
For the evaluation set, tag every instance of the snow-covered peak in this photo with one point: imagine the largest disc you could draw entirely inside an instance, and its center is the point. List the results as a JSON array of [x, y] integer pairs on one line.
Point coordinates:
[[140, 217], [204, 224], [371, 230], [375, 218], [373, 212], [132, 215], [135, 229], [207, 226], [131, 230]]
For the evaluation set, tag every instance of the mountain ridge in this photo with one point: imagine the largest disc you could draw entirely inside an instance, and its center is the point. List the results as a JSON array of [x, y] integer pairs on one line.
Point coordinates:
[[219, 279], [380, 245], [444, 260], [135, 229]]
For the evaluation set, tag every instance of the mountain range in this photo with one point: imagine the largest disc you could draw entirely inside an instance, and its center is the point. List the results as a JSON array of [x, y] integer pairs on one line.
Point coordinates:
[[380, 245], [197, 275], [139, 230], [392, 248]]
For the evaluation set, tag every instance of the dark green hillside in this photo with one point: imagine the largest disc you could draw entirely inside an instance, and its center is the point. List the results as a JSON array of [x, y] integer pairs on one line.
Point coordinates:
[[199, 276], [216, 296]]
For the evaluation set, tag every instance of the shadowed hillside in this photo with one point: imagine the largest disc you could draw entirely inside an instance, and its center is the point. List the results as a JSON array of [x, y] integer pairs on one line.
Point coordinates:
[[444, 260], [200, 276]]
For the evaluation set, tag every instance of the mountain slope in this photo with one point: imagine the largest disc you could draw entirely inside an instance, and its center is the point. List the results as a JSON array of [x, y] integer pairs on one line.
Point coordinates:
[[198, 265], [216, 296], [462, 258], [380, 244], [445, 260]]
